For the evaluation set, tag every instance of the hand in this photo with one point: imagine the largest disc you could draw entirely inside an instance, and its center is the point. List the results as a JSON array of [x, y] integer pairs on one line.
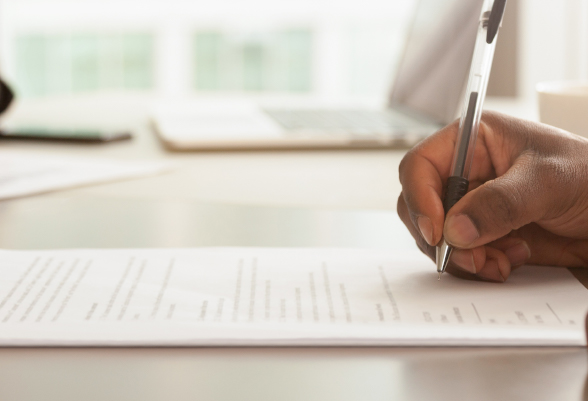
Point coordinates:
[[527, 200]]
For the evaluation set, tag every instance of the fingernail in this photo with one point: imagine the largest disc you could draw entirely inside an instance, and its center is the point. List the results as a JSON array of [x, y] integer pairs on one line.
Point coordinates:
[[426, 229], [464, 259], [491, 272], [460, 231], [518, 254]]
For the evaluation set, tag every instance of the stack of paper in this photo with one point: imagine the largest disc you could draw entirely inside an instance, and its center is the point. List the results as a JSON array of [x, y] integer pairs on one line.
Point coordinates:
[[24, 174], [260, 296]]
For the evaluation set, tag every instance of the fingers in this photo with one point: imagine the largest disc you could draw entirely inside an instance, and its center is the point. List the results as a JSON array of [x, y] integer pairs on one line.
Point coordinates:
[[422, 173], [500, 206], [523, 175], [516, 250], [547, 248], [485, 263], [497, 267], [425, 169], [404, 215], [490, 263], [540, 179]]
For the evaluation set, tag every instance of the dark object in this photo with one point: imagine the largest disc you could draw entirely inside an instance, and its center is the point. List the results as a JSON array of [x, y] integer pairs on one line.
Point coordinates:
[[6, 96], [62, 135], [81, 136], [457, 187], [495, 20]]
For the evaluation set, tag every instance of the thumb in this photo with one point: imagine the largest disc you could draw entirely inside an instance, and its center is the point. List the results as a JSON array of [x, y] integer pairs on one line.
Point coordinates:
[[497, 207]]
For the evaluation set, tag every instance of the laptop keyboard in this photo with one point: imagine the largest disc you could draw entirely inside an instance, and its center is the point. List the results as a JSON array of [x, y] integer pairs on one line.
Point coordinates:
[[355, 122]]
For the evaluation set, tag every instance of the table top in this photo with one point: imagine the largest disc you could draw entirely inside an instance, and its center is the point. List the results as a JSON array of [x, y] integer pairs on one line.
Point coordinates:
[[319, 373], [361, 179], [336, 179], [326, 198], [292, 374]]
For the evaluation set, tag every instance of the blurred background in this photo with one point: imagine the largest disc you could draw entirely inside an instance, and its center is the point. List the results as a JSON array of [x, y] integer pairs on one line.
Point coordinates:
[[97, 61], [177, 48], [317, 49]]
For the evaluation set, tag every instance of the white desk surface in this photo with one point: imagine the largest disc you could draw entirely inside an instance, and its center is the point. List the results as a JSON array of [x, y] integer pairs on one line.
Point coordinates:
[[336, 179], [306, 180]]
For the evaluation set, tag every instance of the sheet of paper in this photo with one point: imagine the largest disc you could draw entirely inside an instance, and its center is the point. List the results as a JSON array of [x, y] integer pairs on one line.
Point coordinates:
[[272, 296], [23, 174]]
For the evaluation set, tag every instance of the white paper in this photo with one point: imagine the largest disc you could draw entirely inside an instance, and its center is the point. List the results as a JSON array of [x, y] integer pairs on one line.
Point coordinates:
[[271, 296], [23, 174]]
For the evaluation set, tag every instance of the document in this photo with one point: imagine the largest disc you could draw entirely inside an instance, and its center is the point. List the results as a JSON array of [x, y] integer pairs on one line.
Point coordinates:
[[276, 296], [23, 174]]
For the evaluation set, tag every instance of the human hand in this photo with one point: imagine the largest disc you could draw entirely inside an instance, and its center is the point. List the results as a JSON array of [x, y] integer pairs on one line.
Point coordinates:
[[527, 201]]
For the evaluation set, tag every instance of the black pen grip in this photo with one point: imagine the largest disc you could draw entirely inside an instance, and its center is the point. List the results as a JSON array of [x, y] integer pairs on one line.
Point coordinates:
[[457, 187]]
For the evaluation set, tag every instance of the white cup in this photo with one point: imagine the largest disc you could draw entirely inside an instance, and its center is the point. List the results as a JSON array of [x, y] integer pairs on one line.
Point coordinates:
[[564, 104]]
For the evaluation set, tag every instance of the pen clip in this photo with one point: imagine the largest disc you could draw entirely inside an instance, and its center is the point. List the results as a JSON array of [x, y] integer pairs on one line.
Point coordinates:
[[495, 19]]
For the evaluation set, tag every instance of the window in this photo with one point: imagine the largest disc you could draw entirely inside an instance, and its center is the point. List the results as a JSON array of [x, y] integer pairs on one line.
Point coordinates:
[[318, 48]]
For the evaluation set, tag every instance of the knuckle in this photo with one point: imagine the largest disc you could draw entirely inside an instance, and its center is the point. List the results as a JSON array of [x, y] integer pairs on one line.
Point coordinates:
[[403, 212], [406, 160], [556, 177], [504, 205], [401, 208], [555, 171]]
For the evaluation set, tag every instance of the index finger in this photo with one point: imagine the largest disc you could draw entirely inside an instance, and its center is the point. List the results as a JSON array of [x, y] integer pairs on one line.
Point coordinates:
[[423, 172]]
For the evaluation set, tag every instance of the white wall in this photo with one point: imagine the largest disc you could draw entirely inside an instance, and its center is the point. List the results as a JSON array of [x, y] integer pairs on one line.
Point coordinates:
[[553, 42]]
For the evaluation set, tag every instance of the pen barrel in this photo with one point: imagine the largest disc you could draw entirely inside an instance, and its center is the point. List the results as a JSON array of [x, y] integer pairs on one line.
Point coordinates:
[[474, 100], [457, 187]]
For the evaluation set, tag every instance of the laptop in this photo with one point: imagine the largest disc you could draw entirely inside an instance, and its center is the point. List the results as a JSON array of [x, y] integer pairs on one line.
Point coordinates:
[[426, 93]]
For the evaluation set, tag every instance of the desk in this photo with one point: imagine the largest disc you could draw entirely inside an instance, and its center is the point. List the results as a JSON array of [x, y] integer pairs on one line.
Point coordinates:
[[334, 179], [198, 205], [339, 179]]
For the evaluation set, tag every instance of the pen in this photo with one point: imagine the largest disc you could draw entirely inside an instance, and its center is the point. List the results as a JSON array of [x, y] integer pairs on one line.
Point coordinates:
[[457, 184]]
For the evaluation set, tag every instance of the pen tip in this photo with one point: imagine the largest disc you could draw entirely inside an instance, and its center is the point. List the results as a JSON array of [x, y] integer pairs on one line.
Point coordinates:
[[442, 256], [439, 278]]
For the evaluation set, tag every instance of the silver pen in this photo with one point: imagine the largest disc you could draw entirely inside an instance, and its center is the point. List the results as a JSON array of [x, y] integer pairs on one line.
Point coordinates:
[[457, 184]]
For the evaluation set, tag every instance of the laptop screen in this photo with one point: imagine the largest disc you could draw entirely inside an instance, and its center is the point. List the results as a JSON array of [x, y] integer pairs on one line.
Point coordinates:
[[433, 71]]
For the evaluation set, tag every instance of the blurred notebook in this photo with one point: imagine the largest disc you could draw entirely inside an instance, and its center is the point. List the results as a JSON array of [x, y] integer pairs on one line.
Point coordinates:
[[426, 94]]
